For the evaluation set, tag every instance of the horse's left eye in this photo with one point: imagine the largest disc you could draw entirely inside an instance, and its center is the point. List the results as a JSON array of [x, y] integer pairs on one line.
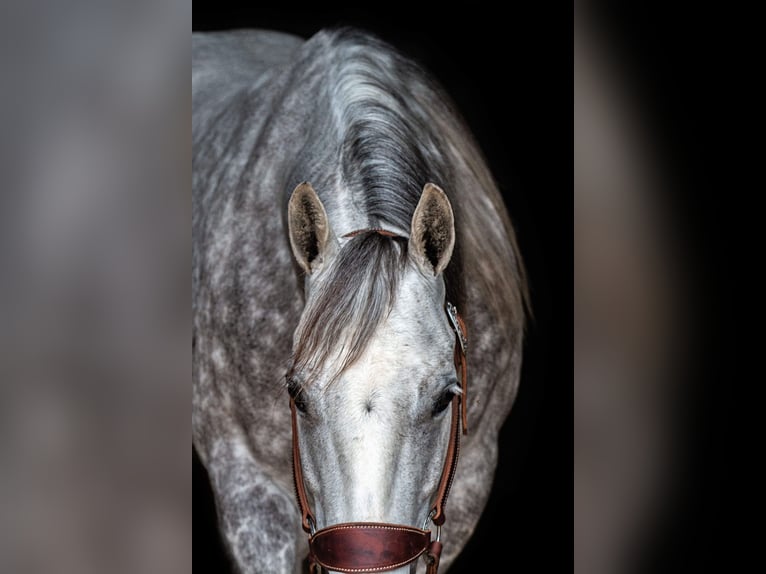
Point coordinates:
[[297, 394], [442, 402], [300, 402]]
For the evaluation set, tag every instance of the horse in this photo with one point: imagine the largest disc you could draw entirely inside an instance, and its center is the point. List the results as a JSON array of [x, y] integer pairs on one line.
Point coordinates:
[[343, 219]]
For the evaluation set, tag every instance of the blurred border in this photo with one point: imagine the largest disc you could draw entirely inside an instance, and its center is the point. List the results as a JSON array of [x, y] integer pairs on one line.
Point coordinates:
[[658, 378], [95, 212]]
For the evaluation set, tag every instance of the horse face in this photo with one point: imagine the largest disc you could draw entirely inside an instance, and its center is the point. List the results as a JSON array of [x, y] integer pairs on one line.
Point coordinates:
[[373, 440], [373, 431]]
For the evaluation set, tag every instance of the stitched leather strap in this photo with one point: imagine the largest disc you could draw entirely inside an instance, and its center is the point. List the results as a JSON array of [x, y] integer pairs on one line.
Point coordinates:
[[453, 448], [384, 232], [367, 546], [433, 556], [307, 517], [450, 465]]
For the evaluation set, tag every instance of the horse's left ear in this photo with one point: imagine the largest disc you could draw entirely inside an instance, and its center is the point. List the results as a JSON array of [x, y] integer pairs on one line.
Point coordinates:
[[432, 236]]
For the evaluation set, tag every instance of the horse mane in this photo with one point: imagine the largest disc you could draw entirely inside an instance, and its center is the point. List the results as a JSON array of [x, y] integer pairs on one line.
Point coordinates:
[[350, 302], [388, 129]]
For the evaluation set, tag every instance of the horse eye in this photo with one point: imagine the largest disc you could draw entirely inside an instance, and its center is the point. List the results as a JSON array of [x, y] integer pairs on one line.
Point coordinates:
[[442, 402], [300, 402], [296, 393]]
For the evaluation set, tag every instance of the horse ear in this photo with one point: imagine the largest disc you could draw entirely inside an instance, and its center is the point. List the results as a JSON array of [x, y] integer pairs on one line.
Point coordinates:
[[432, 236], [310, 235]]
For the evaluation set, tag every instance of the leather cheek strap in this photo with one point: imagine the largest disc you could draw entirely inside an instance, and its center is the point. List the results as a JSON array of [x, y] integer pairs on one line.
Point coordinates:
[[368, 546], [307, 517]]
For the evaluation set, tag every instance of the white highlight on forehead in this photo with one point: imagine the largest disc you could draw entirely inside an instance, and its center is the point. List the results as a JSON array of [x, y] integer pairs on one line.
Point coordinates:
[[415, 338]]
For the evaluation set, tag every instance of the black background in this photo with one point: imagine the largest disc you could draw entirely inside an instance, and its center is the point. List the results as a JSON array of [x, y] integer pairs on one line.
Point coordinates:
[[511, 77], [689, 69]]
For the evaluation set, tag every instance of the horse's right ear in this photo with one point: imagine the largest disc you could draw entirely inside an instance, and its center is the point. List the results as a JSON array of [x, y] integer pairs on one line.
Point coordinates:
[[310, 235]]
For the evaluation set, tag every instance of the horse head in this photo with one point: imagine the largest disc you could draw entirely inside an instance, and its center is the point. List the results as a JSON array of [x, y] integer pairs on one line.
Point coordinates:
[[374, 373]]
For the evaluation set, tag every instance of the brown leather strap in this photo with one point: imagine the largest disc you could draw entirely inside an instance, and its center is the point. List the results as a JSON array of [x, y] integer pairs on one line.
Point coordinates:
[[307, 517], [433, 556], [377, 230], [448, 470], [453, 448], [367, 546]]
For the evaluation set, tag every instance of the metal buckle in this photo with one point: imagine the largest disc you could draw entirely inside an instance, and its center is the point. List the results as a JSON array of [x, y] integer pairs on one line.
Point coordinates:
[[438, 527], [453, 317]]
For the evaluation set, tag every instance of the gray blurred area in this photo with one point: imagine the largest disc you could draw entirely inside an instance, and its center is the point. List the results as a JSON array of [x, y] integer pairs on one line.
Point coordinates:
[[94, 289], [630, 337]]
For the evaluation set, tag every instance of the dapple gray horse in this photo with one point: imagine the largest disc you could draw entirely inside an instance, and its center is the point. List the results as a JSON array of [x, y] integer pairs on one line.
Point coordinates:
[[339, 203]]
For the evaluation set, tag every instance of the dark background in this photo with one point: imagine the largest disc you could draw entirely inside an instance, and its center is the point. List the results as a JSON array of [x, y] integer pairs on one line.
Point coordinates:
[[689, 68], [511, 77]]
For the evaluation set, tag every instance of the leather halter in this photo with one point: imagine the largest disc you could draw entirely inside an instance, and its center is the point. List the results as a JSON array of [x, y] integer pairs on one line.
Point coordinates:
[[379, 546]]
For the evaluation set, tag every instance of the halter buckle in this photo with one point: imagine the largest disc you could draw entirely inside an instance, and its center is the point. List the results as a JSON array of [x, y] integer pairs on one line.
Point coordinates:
[[453, 318], [438, 526]]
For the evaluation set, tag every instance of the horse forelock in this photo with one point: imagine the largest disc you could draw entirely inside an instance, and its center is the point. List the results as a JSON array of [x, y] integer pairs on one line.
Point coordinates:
[[350, 301]]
